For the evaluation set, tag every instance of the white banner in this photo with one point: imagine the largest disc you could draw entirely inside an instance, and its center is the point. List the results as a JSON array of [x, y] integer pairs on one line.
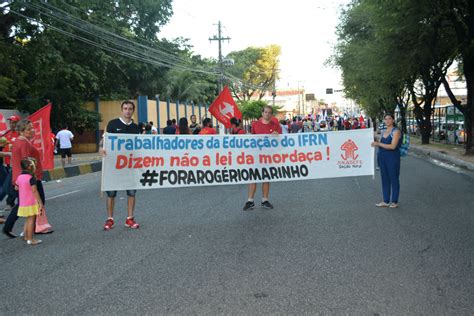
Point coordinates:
[[165, 161]]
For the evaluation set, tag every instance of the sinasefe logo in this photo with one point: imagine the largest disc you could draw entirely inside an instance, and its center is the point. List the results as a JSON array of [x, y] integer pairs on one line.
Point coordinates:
[[349, 155]]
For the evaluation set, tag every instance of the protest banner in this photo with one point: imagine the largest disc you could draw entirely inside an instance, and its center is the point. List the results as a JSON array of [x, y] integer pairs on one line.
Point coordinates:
[[166, 161]]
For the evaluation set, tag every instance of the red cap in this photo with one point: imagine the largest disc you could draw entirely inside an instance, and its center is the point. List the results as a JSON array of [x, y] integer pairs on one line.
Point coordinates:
[[14, 118]]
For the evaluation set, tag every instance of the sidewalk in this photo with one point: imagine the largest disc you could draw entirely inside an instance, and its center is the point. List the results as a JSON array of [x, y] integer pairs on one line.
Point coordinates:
[[453, 154], [81, 164]]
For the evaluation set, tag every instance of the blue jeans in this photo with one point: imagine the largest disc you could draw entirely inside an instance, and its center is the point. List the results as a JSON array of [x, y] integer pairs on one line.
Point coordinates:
[[112, 194]]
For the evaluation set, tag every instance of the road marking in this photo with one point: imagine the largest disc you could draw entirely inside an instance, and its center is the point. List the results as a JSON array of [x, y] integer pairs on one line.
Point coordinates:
[[60, 195]]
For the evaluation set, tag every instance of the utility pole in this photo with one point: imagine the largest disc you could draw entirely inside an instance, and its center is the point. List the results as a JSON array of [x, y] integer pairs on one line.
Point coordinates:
[[219, 38]]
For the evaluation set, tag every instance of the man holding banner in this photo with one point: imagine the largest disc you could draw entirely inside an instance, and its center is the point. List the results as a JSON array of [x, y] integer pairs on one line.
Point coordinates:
[[121, 125], [266, 125]]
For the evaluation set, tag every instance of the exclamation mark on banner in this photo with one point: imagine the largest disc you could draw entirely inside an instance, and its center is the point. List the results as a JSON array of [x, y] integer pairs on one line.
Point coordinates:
[[327, 153]]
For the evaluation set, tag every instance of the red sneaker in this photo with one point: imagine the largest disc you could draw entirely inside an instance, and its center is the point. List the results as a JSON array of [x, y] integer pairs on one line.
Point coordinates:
[[130, 222], [109, 224]]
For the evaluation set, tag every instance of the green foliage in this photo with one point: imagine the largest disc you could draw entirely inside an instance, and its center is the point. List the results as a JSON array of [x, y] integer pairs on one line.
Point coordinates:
[[253, 109], [38, 63], [391, 51], [257, 70]]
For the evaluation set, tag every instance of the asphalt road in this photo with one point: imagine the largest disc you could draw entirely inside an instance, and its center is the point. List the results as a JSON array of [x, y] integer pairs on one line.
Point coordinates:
[[325, 248]]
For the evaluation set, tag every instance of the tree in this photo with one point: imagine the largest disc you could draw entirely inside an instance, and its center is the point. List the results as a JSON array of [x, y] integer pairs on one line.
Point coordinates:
[[384, 60], [459, 15], [255, 71], [252, 110], [371, 72], [61, 62]]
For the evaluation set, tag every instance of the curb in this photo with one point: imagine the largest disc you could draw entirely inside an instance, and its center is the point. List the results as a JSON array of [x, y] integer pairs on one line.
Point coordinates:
[[443, 157], [60, 173]]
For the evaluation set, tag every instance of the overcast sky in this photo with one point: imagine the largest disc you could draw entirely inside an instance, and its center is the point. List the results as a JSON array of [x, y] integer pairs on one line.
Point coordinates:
[[305, 30]]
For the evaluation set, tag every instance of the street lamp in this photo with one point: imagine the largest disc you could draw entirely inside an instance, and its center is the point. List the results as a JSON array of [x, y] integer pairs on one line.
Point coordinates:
[[397, 113]]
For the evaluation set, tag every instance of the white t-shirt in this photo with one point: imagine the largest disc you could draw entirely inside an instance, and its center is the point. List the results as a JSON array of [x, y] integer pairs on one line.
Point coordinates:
[[65, 138]]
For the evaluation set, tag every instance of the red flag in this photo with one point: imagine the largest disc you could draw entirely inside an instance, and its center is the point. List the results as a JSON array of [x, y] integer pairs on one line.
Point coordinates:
[[42, 140], [3, 124], [224, 108]]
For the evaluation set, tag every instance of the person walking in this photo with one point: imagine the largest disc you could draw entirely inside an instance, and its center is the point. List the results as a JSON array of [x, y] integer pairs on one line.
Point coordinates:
[[123, 125], [30, 203], [23, 148], [388, 159], [266, 125], [64, 137], [10, 136]]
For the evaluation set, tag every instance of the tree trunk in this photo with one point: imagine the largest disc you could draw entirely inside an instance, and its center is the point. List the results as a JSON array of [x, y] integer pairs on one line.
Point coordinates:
[[469, 108], [469, 129], [403, 117], [425, 130]]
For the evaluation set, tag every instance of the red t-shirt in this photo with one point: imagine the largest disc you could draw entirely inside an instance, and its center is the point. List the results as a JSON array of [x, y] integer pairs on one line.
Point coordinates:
[[258, 127], [207, 131], [11, 136], [238, 131], [22, 149]]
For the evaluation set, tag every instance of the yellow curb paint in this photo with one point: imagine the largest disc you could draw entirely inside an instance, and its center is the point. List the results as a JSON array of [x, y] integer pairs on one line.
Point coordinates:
[[57, 173], [83, 169]]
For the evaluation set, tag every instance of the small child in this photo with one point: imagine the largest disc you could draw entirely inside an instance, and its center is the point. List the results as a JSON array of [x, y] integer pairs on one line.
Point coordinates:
[[29, 199]]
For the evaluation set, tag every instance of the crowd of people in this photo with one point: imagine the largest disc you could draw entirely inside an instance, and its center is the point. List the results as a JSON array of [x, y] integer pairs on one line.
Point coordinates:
[[183, 127], [22, 183], [298, 124], [321, 123], [22, 162]]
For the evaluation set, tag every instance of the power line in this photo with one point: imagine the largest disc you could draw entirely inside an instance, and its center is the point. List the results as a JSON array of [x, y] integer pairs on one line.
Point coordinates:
[[104, 47], [117, 40], [140, 53]]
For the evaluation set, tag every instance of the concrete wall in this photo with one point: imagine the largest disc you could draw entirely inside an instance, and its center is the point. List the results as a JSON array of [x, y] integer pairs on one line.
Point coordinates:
[[111, 109]]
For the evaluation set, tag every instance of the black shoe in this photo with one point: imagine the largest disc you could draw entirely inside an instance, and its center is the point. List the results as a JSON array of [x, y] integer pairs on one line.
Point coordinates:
[[249, 206], [9, 234], [267, 205]]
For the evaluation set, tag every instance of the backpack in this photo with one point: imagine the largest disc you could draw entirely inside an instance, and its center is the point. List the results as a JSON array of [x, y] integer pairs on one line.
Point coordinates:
[[404, 143]]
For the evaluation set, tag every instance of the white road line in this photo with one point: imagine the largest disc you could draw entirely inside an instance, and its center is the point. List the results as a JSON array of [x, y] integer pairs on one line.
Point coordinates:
[[60, 195]]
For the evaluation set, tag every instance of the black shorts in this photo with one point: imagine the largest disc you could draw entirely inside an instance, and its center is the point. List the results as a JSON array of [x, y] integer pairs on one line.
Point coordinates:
[[65, 152]]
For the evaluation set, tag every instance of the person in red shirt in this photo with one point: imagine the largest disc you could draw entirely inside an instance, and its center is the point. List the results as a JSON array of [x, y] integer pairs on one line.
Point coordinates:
[[266, 125], [236, 126], [207, 127], [11, 135], [23, 148]]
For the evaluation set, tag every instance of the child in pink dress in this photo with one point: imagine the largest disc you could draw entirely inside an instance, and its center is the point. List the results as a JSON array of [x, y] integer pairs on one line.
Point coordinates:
[[29, 199]]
